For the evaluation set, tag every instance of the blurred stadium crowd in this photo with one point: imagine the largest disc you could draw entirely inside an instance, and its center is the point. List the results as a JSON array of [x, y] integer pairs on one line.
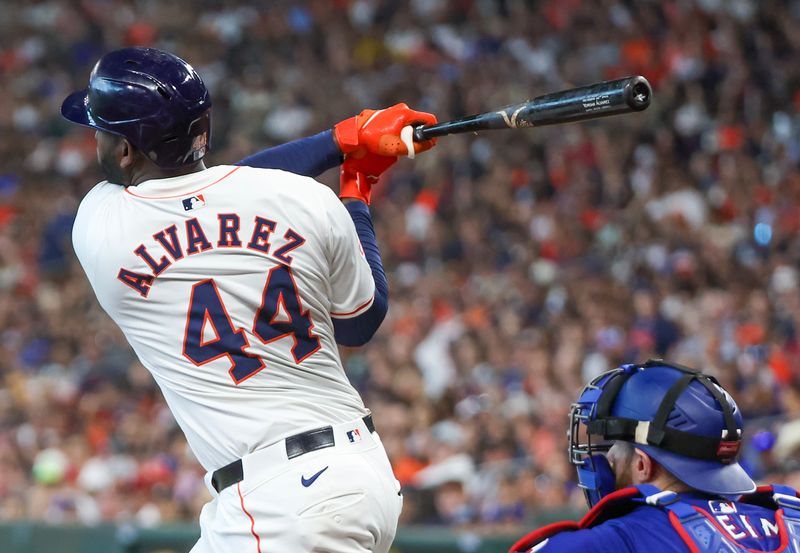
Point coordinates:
[[521, 263]]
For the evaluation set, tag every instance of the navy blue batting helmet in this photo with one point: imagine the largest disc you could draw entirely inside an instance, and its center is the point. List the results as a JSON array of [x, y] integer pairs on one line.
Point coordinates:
[[682, 418], [152, 98]]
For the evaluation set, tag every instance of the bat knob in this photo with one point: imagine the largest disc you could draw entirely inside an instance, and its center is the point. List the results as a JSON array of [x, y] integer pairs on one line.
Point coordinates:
[[638, 93]]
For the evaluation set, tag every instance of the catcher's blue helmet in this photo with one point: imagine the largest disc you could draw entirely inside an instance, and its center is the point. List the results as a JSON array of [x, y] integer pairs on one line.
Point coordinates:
[[682, 418], [152, 98]]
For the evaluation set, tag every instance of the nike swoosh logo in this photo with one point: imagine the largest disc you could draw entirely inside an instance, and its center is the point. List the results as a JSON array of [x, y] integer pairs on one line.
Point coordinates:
[[306, 482]]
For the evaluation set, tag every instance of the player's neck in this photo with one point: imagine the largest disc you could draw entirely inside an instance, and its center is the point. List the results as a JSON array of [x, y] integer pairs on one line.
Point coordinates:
[[665, 481], [151, 172]]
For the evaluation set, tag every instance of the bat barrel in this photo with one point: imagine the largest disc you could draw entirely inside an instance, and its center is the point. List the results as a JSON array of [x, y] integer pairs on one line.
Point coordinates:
[[577, 104]]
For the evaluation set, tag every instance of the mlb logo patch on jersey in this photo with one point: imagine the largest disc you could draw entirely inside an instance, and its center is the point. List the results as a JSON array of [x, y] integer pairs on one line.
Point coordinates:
[[354, 435], [195, 202], [721, 507]]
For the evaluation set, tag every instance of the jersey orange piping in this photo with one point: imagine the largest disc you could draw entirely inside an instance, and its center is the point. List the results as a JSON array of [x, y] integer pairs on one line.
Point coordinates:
[[229, 173], [354, 311]]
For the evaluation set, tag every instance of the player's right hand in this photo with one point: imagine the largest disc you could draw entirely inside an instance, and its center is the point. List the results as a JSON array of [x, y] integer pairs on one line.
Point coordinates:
[[386, 132], [359, 171]]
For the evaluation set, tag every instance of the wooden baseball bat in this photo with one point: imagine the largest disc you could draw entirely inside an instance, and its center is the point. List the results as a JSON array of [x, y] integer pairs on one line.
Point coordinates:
[[576, 104]]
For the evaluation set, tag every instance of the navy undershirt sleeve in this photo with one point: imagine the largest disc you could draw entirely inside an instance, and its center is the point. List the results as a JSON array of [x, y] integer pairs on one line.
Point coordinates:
[[310, 156], [357, 331]]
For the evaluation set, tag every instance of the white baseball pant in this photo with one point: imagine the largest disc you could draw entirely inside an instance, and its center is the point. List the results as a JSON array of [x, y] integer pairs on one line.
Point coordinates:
[[341, 499]]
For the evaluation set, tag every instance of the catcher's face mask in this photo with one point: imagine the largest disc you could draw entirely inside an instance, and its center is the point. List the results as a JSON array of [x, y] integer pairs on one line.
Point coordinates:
[[586, 454]]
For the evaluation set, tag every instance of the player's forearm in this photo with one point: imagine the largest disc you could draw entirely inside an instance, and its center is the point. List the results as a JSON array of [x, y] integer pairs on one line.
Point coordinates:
[[358, 330], [310, 156]]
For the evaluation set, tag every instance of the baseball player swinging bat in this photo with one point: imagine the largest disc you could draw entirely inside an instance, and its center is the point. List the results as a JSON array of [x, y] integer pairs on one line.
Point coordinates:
[[576, 104]]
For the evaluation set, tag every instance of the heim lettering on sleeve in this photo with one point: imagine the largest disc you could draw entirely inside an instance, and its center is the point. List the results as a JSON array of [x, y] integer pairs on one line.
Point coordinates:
[[172, 245], [739, 525]]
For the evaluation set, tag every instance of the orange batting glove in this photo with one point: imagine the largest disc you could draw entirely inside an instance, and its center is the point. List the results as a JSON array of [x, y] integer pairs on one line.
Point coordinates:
[[359, 171], [386, 132]]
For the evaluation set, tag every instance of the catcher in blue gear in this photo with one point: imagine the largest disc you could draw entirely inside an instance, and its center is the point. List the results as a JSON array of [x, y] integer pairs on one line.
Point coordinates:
[[655, 448]]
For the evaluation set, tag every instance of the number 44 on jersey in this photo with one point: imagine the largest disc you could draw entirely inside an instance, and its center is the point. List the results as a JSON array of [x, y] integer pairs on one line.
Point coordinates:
[[280, 315]]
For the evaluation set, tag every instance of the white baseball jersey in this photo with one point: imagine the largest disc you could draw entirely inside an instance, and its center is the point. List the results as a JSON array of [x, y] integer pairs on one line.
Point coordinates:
[[224, 282]]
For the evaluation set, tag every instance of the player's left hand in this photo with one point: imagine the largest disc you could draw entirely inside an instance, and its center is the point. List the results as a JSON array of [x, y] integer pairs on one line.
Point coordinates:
[[359, 171], [386, 132]]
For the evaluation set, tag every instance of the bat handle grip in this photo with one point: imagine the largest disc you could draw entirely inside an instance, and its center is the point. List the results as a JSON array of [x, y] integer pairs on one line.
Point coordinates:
[[419, 133]]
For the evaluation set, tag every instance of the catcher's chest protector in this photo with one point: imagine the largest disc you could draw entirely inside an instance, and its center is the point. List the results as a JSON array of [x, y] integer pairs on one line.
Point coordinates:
[[696, 527]]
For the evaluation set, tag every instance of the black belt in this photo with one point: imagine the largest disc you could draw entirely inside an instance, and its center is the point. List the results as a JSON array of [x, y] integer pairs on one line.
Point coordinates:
[[296, 446]]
